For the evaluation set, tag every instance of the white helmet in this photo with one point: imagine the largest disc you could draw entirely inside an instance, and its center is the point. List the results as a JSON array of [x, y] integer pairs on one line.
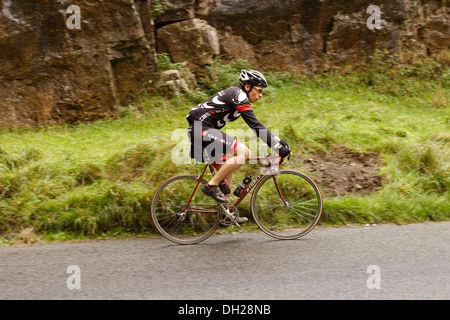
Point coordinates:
[[253, 77]]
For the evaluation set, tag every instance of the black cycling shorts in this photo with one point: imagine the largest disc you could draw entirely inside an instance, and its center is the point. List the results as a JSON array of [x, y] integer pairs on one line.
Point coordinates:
[[210, 144]]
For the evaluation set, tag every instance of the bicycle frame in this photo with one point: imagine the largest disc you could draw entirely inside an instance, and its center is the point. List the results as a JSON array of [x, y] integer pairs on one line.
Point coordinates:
[[271, 165]]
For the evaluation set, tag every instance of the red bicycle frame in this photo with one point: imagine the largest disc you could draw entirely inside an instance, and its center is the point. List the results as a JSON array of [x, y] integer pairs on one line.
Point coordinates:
[[270, 166]]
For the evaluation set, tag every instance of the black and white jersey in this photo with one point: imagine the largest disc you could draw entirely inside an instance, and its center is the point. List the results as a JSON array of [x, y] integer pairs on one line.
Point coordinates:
[[227, 106]]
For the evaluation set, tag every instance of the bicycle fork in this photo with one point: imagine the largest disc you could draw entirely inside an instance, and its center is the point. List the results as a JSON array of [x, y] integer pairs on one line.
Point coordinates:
[[286, 204]]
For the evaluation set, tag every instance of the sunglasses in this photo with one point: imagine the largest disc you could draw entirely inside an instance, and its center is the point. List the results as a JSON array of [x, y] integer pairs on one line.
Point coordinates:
[[259, 89]]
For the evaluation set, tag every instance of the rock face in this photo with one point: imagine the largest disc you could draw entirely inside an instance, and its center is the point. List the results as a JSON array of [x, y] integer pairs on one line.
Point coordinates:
[[193, 41], [50, 73], [314, 36]]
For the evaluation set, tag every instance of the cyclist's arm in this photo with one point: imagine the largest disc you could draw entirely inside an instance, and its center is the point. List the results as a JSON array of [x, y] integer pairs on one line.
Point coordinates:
[[261, 131]]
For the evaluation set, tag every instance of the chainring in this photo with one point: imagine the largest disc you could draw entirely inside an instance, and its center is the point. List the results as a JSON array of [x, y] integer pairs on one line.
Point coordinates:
[[225, 219]]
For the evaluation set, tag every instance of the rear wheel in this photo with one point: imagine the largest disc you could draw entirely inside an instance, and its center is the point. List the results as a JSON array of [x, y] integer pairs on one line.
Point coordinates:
[[181, 212]]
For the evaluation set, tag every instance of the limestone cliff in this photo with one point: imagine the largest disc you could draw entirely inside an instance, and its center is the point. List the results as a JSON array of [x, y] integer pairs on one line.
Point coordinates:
[[312, 35], [50, 73]]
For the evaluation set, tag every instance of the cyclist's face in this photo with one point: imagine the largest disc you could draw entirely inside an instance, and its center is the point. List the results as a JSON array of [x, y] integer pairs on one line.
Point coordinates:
[[255, 94]]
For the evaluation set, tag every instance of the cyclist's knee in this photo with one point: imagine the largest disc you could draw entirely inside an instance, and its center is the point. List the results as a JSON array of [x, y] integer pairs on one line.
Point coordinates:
[[242, 151], [247, 153]]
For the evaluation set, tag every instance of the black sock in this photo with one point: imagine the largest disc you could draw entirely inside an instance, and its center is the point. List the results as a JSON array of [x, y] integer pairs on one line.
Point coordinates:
[[211, 186]]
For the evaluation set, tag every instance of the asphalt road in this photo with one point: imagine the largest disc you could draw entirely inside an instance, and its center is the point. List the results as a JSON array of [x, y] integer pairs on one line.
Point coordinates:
[[376, 262]]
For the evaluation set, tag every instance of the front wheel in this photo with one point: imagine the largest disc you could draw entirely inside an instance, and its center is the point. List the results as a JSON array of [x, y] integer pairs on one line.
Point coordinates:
[[287, 205]]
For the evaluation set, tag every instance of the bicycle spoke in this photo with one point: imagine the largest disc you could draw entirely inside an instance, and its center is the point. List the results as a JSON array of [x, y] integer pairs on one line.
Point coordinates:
[[305, 216]]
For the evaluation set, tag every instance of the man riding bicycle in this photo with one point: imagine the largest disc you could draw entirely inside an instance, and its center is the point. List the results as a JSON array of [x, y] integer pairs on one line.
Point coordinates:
[[226, 153]]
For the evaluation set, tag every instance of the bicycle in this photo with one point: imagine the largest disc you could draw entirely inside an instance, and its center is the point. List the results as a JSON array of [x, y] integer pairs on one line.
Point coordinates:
[[286, 209]]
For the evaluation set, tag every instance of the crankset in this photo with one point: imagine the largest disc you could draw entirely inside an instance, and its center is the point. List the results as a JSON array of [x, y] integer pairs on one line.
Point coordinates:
[[228, 215]]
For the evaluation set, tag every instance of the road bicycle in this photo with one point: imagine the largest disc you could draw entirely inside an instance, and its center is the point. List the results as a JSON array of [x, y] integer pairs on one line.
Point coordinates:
[[285, 204]]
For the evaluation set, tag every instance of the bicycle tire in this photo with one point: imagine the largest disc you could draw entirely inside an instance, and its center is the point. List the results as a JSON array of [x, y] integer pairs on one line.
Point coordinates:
[[171, 198], [299, 217]]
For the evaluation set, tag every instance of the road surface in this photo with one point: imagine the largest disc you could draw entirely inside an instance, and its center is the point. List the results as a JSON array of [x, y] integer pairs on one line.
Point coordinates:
[[375, 262]]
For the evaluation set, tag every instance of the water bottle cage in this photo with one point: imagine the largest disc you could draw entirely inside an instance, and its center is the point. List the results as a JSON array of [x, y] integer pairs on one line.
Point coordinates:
[[242, 186], [239, 190]]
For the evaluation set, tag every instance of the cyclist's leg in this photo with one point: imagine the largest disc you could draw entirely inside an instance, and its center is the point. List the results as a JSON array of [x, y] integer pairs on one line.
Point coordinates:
[[235, 158], [216, 146], [229, 177], [231, 164]]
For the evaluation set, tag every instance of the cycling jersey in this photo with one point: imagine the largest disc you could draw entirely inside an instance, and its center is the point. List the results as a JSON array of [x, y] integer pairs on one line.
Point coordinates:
[[227, 106]]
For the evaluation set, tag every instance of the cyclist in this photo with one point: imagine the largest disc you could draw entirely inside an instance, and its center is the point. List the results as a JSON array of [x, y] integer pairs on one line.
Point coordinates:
[[226, 153]]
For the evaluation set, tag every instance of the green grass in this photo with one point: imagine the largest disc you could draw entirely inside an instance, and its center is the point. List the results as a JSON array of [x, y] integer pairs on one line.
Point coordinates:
[[96, 180]]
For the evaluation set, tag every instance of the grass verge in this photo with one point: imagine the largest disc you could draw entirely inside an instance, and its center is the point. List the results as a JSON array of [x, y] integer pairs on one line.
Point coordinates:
[[96, 180]]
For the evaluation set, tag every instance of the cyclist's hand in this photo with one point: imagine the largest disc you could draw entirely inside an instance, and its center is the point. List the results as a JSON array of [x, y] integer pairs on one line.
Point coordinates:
[[284, 150]]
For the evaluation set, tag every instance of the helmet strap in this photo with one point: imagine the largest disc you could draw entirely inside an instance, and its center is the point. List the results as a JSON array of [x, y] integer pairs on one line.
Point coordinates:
[[251, 87]]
